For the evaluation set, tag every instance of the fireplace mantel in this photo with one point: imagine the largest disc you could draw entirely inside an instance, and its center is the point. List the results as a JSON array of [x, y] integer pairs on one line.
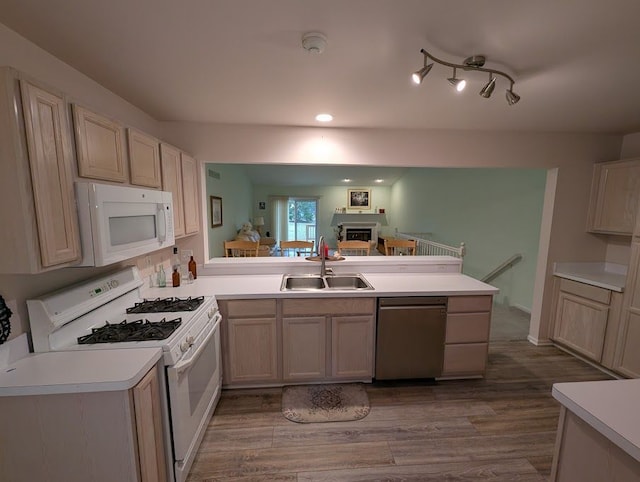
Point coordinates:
[[348, 218]]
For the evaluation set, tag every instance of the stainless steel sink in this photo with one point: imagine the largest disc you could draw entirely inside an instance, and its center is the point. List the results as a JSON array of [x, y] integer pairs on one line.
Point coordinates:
[[310, 282], [302, 282], [347, 282]]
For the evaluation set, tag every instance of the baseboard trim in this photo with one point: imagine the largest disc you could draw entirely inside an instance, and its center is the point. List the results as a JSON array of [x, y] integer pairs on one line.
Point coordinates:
[[589, 362], [538, 342], [522, 308]]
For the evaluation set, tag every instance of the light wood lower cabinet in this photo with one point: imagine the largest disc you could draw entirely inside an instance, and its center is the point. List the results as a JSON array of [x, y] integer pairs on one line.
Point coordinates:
[[626, 359], [76, 437], [304, 348], [467, 336], [273, 342], [584, 454], [250, 342], [328, 339], [587, 321]]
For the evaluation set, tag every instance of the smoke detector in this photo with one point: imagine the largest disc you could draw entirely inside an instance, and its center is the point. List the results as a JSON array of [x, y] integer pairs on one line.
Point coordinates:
[[314, 42]]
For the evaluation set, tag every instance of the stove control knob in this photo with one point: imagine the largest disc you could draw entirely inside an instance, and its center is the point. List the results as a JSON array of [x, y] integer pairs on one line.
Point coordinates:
[[211, 312], [184, 346], [190, 340]]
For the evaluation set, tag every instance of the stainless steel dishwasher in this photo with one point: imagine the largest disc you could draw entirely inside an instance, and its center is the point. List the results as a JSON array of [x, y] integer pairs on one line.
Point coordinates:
[[410, 337]]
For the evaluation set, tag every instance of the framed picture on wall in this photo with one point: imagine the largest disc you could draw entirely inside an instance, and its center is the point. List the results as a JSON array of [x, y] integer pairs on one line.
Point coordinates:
[[216, 211], [359, 199]]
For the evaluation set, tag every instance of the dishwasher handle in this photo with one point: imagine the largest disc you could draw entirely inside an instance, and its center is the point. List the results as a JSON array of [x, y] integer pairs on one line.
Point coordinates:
[[412, 301]]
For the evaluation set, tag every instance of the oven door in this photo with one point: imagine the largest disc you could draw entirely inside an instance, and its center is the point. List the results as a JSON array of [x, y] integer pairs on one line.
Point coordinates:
[[194, 388]]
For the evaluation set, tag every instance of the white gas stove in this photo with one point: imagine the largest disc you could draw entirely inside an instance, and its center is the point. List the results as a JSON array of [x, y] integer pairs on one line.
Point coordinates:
[[109, 312]]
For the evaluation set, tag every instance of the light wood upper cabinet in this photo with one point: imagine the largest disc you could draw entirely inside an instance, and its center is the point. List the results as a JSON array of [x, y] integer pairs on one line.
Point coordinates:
[[99, 146], [144, 159], [39, 223], [190, 194], [615, 192], [172, 182], [50, 159]]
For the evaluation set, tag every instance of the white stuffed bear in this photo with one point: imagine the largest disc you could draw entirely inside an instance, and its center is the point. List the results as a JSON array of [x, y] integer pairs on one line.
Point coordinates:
[[247, 233]]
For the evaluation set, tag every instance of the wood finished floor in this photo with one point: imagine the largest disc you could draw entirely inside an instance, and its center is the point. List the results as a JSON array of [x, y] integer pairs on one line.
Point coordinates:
[[501, 428]]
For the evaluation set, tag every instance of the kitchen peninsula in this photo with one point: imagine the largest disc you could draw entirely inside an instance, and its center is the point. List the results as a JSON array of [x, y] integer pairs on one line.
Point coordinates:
[[272, 336]]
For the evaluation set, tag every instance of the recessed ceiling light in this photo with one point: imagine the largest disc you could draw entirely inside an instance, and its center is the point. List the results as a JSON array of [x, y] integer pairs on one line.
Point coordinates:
[[346, 179], [379, 180], [324, 117]]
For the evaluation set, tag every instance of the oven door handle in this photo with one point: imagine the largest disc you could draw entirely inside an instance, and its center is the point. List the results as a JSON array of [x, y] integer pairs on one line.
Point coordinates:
[[184, 365]]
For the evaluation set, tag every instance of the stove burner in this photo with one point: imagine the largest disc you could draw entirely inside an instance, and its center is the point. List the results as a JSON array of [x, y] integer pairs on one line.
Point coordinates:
[[139, 330], [166, 304]]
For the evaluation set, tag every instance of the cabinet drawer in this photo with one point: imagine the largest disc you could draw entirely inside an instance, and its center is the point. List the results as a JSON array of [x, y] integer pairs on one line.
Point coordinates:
[[465, 304], [593, 293], [328, 306], [244, 308], [467, 359], [467, 327]]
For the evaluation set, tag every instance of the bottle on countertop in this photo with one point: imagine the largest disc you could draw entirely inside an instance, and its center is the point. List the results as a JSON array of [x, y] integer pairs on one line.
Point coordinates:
[[175, 277], [192, 268], [175, 261], [162, 278]]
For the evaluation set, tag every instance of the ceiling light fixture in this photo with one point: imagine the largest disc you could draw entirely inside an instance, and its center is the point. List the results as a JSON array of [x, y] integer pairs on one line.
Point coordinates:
[[474, 63], [324, 117]]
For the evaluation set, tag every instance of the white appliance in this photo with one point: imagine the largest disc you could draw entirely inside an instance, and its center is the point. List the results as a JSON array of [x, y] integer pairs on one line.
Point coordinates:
[[74, 319], [120, 222]]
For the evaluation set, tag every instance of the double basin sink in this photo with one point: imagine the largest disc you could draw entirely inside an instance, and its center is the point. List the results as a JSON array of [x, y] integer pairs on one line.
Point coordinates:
[[315, 282]]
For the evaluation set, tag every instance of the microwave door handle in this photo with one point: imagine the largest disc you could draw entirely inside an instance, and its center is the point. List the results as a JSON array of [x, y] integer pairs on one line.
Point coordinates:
[[162, 223]]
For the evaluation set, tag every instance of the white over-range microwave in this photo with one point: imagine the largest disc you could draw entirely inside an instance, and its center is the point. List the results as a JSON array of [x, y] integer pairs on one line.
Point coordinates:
[[121, 222]]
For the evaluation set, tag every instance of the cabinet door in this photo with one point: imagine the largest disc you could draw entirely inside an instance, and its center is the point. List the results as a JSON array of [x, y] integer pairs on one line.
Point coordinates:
[[172, 182], [146, 402], [50, 159], [614, 197], [99, 146], [253, 350], [352, 346], [190, 194], [626, 359], [304, 348], [580, 324], [144, 159]]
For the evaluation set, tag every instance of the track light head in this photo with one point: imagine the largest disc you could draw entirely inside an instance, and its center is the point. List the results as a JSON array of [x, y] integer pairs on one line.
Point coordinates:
[[459, 84], [418, 76], [487, 90], [512, 97]]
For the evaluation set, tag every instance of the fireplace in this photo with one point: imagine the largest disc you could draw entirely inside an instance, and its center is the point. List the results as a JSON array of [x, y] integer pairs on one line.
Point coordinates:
[[360, 231]]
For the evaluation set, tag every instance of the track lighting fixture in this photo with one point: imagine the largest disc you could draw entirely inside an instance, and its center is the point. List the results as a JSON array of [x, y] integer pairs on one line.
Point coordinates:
[[474, 63]]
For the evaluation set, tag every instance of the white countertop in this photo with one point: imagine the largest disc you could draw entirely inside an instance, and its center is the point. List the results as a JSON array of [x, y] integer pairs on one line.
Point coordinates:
[[384, 284], [610, 276], [77, 371], [612, 407]]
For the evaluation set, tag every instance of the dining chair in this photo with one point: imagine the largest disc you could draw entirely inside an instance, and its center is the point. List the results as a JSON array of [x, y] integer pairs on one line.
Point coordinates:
[[397, 247], [241, 248], [296, 248], [354, 248]]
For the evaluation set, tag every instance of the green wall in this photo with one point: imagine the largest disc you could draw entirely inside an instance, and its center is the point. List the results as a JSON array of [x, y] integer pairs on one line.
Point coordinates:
[[234, 188], [329, 198], [495, 212]]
